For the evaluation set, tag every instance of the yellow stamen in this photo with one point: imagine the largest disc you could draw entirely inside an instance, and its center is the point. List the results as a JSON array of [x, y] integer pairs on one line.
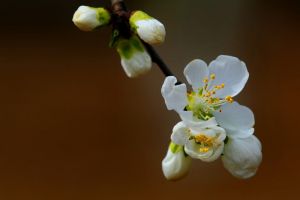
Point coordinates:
[[218, 87], [203, 149], [213, 76], [229, 99], [205, 80], [200, 138], [203, 139]]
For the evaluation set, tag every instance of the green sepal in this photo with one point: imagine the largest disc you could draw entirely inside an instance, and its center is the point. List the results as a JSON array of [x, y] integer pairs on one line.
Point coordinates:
[[175, 148], [136, 16], [127, 47], [103, 16], [114, 38]]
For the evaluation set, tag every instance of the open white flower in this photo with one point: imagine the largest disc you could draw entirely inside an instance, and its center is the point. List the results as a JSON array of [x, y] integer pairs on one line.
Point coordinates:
[[148, 28], [176, 164], [87, 18], [242, 153], [213, 86], [203, 140], [135, 60]]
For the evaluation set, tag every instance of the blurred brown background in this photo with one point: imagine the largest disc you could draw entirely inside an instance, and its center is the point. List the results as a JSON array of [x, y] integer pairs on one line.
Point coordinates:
[[74, 127]]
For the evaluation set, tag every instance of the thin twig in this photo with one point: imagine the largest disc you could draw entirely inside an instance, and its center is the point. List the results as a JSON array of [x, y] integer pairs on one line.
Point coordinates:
[[115, 1], [158, 60]]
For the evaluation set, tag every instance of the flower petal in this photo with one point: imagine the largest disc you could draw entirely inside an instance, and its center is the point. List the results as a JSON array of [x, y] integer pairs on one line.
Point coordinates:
[[240, 133], [188, 118], [195, 72], [192, 149], [86, 18], [211, 131], [242, 156], [148, 28], [151, 31], [236, 119], [140, 63], [230, 71], [179, 135], [175, 95], [217, 153], [135, 60]]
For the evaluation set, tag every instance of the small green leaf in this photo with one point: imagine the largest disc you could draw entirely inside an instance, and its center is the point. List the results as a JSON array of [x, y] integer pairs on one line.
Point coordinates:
[[114, 38]]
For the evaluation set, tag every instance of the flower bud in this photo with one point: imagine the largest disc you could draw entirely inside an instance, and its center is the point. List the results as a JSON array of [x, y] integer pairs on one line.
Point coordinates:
[[88, 18], [148, 29], [135, 60], [176, 164], [242, 156]]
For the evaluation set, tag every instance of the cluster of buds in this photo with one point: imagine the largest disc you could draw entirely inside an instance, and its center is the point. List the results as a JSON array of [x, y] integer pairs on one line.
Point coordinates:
[[131, 31]]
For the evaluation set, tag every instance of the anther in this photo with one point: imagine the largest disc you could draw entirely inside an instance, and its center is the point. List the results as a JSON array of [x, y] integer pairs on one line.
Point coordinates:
[[203, 149], [212, 76], [229, 99]]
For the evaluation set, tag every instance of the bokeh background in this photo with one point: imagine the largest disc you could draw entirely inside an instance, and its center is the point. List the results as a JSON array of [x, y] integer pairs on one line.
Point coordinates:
[[74, 127]]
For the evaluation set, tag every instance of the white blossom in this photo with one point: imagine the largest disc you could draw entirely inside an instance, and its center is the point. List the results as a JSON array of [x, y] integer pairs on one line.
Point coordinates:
[[213, 86], [203, 140]]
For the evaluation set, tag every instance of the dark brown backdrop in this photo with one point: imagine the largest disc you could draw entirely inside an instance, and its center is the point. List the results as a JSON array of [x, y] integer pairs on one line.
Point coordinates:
[[73, 126]]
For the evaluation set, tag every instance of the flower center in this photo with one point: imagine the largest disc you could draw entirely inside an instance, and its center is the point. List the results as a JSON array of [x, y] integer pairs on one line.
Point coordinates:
[[205, 142], [203, 102]]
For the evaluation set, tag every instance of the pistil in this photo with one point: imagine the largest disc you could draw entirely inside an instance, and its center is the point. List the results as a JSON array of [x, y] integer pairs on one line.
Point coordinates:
[[204, 102]]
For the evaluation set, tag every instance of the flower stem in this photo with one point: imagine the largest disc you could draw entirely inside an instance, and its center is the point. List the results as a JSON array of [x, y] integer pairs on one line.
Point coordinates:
[[119, 8]]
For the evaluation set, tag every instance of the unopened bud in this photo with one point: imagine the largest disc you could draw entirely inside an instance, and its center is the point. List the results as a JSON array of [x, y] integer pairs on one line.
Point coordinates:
[[176, 164], [88, 18], [242, 156], [148, 28], [135, 60]]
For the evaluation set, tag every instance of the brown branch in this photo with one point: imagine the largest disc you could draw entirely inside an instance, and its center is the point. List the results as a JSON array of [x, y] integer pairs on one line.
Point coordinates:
[[158, 60], [115, 1]]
